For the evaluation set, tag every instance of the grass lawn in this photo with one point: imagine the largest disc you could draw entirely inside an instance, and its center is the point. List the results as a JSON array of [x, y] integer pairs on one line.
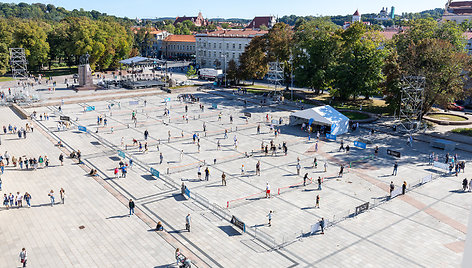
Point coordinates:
[[447, 117], [181, 86], [354, 115], [258, 86], [58, 71], [375, 106], [463, 131], [5, 78]]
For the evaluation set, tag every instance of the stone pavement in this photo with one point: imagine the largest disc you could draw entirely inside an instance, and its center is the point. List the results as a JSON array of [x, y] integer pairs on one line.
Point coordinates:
[[424, 228]]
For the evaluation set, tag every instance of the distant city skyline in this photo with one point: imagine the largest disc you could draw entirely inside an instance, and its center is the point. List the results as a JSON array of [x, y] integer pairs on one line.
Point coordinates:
[[244, 8]]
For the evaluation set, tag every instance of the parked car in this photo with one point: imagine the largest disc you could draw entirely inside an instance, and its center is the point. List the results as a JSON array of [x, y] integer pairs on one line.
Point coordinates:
[[454, 107]]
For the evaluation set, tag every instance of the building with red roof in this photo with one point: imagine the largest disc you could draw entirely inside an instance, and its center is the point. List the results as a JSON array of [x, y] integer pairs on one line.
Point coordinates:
[[258, 22], [458, 11], [179, 47], [215, 49], [197, 21]]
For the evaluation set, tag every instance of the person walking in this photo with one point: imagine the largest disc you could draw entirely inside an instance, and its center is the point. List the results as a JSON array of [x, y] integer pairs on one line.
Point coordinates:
[[325, 166], [267, 190], [51, 196], [258, 169], [131, 207], [23, 257], [270, 218], [464, 184], [27, 198], [0, 183], [62, 192], [403, 187], [392, 187], [242, 170], [305, 178], [322, 225], [319, 183], [161, 158], [223, 179], [315, 163], [6, 201], [298, 168], [395, 169], [61, 159], [207, 174], [188, 220], [146, 134], [341, 170], [199, 172]]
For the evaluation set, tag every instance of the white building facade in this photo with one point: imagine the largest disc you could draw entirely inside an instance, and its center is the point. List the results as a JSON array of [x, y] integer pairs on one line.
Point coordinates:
[[216, 49]]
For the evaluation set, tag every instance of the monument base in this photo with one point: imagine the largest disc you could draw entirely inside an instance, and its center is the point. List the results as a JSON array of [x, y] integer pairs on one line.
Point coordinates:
[[87, 87], [85, 75]]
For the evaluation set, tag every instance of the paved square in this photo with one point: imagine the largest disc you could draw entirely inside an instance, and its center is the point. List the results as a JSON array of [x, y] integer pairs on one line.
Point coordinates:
[[422, 228]]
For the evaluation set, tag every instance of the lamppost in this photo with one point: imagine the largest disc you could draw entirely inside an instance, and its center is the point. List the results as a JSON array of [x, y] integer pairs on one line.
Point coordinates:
[[291, 75], [225, 56]]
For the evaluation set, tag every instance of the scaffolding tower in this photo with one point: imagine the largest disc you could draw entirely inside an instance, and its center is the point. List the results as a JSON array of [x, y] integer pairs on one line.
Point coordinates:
[[412, 98], [275, 75], [18, 63]]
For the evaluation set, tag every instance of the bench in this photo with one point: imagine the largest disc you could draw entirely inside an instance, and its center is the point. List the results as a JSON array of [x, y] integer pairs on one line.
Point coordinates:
[[443, 144]]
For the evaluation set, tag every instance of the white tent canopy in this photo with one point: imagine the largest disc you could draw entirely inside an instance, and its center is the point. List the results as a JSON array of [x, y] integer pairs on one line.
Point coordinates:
[[322, 115]]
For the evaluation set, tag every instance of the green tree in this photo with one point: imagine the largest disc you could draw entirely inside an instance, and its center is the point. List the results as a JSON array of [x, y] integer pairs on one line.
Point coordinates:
[[32, 36], [5, 41], [358, 69], [191, 72], [232, 71], [435, 51], [315, 52], [279, 48], [253, 62]]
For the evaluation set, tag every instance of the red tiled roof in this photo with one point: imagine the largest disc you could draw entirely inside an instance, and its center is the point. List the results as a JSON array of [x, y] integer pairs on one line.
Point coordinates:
[[235, 33], [461, 4], [180, 38], [389, 34], [356, 13], [257, 22]]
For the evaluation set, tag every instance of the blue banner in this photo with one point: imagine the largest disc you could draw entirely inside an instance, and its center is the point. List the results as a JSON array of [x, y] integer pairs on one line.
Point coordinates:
[[154, 172], [330, 137], [360, 144], [83, 129], [133, 102], [187, 192], [121, 154], [90, 108], [310, 121]]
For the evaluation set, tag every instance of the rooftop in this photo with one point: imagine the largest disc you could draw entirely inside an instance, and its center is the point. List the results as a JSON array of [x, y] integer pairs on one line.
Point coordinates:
[[234, 33], [180, 38]]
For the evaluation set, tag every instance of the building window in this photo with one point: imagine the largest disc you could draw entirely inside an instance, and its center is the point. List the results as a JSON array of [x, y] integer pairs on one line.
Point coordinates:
[[234, 46], [214, 45], [204, 45], [214, 54], [227, 45], [220, 45], [233, 55], [239, 46]]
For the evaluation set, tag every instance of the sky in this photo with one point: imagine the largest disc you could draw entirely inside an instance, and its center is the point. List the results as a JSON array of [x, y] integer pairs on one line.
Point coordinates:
[[240, 8]]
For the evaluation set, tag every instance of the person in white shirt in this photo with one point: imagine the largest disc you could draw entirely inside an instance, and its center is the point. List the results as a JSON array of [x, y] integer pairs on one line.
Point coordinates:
[[267, 190]]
